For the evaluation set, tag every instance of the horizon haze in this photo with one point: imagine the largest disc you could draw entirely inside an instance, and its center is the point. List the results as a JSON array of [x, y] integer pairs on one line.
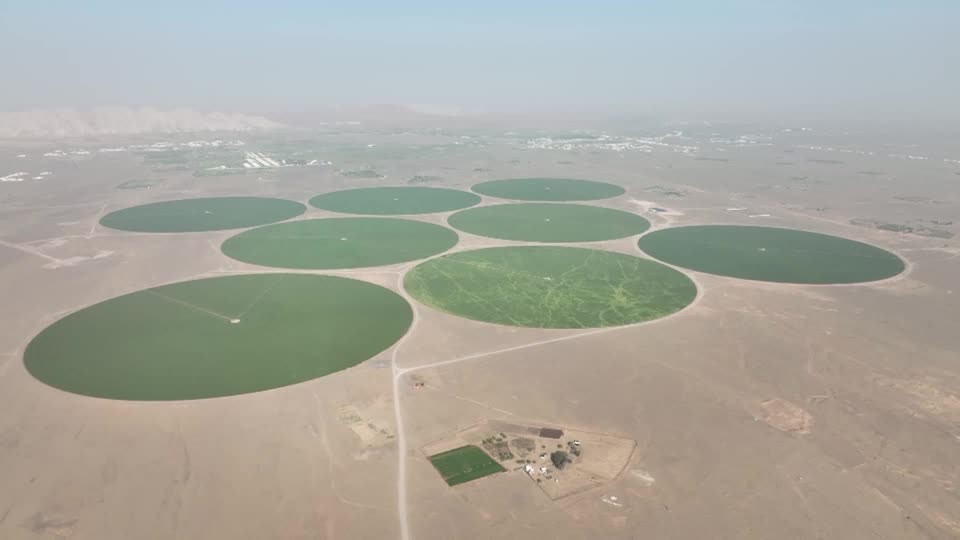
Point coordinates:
[[746, 59]]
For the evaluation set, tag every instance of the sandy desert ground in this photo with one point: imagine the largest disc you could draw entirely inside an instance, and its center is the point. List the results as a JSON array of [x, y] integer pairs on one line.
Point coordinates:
[[760, 411]]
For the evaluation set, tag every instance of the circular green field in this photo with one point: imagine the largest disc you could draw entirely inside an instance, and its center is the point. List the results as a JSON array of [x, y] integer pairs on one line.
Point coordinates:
[[218, 337], [771, 254], [548, 189], [548, 222], [339, 243], [385, 201], [205, 214], [550, 287]]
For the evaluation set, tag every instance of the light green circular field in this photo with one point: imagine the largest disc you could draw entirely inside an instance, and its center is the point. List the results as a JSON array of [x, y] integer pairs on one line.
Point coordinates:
[[550, 287], [548, 222], [204, 214], [339, 243], [218, 337], [384, 201], [771, 254], [548, 189]]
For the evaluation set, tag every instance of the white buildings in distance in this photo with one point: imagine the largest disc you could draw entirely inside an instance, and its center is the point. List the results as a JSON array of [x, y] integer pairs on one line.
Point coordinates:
[[257, 160]]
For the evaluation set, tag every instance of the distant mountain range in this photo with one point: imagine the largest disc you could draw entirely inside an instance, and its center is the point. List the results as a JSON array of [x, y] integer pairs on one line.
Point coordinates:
[[123, 121]]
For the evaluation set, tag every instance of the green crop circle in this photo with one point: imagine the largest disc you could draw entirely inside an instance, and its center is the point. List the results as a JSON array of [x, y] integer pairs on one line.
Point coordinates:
[[550, 287], [332, 243], [386, 201], [218, 337], [548, 222], [548, 189], [771, 254], [203, 214]]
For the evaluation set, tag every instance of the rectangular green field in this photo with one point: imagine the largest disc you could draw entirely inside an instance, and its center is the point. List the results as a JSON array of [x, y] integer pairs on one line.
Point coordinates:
[[464, 464]]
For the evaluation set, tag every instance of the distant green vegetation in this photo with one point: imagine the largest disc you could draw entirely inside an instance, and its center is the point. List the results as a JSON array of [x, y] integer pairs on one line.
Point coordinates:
[[464, 464], [137, 184], [548, 222], [181, 159], [294, 150], [550, 287], [384, 201], [203, 214], [771, 254], [917, 228], [665, 191], [548, 189], [218, 337], [339, 243], [362, 173]]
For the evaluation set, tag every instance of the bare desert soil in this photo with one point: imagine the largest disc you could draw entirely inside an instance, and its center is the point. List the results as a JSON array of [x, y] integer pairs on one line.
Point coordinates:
[[760, 411]]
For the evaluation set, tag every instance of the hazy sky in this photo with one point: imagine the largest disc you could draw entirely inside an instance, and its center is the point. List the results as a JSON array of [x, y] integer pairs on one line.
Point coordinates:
[[766, 54]]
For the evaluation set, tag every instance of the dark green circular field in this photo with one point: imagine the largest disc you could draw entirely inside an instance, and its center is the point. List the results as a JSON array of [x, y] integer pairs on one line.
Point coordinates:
[[771, 254], [548, 189], [204, 214], [218, 337], [385, 201], [550, 287], [339, 243], [548, 222]]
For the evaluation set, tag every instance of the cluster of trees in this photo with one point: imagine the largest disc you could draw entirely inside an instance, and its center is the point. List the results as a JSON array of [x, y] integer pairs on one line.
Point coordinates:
[[560, 459]]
